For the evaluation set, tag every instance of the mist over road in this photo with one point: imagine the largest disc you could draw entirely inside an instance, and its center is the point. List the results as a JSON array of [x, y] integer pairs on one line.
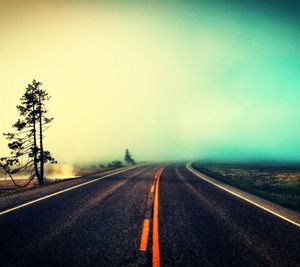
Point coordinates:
[[111, 222]]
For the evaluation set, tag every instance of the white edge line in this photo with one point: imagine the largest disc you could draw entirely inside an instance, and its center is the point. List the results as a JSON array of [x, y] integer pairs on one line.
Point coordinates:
[[63, 191], [190, 168]]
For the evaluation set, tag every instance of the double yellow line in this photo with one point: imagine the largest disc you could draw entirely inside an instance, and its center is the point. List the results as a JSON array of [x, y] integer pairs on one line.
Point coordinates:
[[155, 230]]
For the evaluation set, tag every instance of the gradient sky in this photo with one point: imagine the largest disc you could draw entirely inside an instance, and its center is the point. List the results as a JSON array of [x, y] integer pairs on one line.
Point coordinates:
[[166, 79]]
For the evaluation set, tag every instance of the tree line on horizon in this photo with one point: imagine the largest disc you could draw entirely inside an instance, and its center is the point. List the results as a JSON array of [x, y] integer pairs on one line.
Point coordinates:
[[26, 144]]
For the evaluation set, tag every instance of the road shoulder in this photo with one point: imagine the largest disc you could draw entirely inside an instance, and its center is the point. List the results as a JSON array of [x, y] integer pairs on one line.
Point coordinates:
[[286, 214], [13, 200]]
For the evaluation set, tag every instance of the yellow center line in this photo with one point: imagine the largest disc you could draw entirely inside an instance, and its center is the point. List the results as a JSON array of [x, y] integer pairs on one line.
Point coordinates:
[[152, 189], [145, 234], [155, 232]]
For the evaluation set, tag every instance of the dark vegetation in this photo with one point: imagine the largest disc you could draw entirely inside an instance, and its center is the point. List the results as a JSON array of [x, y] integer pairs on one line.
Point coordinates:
[[115, 164], [26, 144], [118, 164], [279, 183], [128, 158]]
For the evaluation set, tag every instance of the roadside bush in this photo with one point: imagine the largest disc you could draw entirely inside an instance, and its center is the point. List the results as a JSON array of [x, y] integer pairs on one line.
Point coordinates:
[[115, 164]]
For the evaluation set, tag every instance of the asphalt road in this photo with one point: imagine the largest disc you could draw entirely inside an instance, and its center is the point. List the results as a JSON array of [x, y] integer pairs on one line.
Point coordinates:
[[103, 223]]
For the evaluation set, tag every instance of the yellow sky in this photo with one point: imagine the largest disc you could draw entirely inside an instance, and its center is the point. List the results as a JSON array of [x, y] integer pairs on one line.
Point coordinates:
[[156, 81], [104, 73]]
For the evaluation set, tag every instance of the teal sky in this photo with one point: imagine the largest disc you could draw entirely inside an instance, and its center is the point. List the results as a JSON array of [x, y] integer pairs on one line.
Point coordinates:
[[166, 79]]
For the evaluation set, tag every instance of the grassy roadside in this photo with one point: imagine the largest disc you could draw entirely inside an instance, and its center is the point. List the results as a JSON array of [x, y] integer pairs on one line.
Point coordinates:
[[277, 183]]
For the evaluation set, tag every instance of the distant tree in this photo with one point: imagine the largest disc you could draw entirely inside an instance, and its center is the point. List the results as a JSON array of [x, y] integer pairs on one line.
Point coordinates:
[[128, 158], [26, 144], [115, 164]]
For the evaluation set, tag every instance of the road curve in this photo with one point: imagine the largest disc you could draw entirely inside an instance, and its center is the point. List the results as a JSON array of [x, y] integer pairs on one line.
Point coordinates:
[[110, 223]]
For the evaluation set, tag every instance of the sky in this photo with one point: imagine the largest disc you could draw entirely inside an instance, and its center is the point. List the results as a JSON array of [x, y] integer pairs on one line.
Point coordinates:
[[169, 80]]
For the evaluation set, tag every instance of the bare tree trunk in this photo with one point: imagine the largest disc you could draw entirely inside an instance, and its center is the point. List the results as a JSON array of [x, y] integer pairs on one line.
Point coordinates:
[[35, 159], [42, 177]]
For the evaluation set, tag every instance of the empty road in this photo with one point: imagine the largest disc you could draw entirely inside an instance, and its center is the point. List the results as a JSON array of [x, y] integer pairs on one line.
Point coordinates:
[[153, 215]]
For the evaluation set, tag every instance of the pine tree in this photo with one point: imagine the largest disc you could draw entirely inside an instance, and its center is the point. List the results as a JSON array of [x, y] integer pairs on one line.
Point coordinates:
[[128, 158], [26, 144]]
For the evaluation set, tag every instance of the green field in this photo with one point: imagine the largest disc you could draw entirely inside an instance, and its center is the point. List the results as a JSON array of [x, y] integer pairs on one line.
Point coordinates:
[[279, 183]]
